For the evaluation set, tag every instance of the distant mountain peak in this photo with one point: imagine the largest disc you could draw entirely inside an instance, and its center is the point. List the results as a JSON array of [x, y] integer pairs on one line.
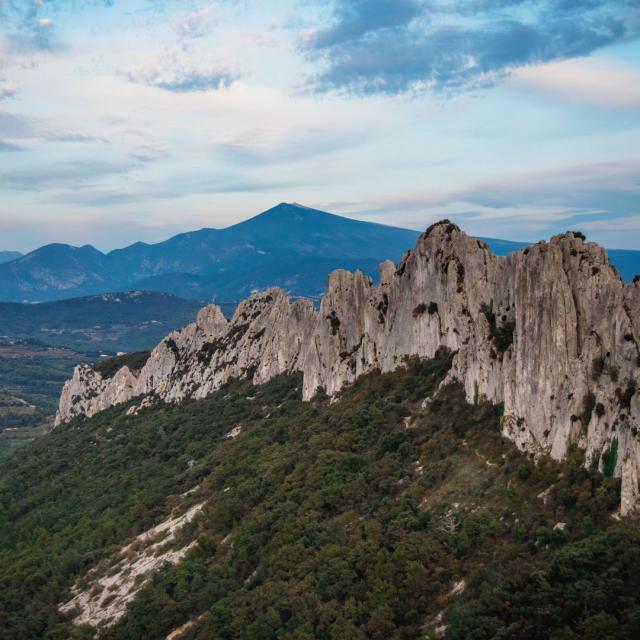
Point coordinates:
[[297, 205], [289, 208]]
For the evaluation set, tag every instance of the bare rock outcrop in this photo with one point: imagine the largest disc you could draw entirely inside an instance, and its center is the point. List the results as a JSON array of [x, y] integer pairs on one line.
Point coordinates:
[[264, 338], [550, 331]]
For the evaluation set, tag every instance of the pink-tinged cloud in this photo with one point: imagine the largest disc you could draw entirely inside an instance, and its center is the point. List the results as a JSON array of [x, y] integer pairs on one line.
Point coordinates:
[[8, 91], [584, 81]]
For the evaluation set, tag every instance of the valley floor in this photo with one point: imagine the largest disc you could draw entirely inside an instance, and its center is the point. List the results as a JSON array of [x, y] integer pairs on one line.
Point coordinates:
[[31, 378]]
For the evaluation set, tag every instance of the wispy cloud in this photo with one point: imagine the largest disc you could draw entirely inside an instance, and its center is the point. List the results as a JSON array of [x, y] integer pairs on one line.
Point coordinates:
[[584, 81], [184, 66], [34, 31], [176, 71], [376, 47], [256, 147], [74, 174], [628, 223], [199, 22], [602, 185], [190, 185], [16, 126], [7, 146], [519, 205], [8, 91]]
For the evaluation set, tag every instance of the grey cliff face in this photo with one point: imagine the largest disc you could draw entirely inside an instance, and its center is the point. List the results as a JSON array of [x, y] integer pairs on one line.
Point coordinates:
[[551, 331]]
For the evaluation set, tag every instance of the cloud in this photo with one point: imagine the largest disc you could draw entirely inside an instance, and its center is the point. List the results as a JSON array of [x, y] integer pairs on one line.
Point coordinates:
[[177, 71], [426, 45], [607, 186], [15, 126], [71, 175], [32, 32], [612, 186], [29, 25], [584, 81], [188, 186], [255, 147], [7, 146], [198, 23], [520, 206], [8, 91], [614, 224], [354, 19], [72, 137]]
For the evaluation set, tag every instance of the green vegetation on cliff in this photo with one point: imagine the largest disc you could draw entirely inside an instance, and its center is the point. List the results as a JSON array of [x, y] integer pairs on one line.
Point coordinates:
[[379, 516]]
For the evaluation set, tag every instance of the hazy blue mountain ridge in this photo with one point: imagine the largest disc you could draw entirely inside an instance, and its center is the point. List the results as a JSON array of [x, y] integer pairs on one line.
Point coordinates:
[[8, 256], [290, 246], [287, 244]]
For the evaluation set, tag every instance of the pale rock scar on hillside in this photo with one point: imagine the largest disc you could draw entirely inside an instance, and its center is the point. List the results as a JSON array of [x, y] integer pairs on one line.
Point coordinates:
[[103, 600], [550, 331]]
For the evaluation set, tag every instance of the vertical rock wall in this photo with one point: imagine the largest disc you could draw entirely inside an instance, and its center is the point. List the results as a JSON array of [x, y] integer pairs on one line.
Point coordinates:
[[551, 331]]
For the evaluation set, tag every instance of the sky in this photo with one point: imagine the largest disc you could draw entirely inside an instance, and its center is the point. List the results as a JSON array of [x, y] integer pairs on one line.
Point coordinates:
[[135, 120]]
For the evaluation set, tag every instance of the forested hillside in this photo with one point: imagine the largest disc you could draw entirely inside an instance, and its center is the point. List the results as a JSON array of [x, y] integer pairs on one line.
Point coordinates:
[[396, 512]]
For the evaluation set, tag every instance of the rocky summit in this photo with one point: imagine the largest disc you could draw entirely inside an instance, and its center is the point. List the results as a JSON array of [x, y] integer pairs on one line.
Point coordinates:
[[551, 332]]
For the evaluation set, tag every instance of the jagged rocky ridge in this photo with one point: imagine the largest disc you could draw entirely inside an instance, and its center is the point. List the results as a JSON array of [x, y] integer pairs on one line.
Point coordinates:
[[551, 331]]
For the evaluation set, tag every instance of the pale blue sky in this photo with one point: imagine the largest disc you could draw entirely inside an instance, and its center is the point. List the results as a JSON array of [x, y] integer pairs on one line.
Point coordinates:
[[124, 121]]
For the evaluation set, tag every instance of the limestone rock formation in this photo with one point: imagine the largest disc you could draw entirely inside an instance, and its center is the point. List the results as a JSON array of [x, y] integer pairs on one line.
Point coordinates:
[[265, 338], [551, 331]]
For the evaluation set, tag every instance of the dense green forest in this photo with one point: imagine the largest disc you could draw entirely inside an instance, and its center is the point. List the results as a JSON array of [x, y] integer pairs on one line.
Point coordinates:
[[398, 512]]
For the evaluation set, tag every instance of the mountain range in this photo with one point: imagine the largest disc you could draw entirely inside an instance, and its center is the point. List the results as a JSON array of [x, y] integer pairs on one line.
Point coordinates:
[[289, 246]]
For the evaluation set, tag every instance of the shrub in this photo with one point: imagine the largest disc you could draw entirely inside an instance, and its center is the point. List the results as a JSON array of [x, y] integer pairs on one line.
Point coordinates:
[[589, 404], [419, 310], [501, 335], [610, 459], [597, 367], [625, 396], [108, 367], [334, 321]]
